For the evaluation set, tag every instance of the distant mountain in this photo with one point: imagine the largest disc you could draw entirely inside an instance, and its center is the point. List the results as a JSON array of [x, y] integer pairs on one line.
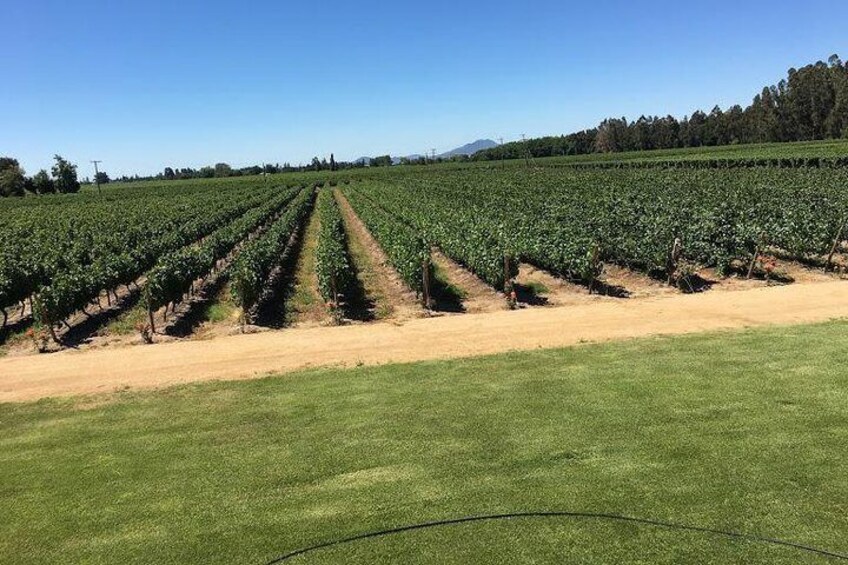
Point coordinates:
[[467, 149], [470, 148]]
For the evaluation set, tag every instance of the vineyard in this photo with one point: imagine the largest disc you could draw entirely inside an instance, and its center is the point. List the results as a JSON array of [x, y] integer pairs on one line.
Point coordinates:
[[827, 153], [166, 243], [60, 255], [333, 264], [570, 222]]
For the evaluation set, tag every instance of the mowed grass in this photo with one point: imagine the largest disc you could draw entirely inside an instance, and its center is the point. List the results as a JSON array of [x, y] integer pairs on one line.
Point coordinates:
[[743, 431]]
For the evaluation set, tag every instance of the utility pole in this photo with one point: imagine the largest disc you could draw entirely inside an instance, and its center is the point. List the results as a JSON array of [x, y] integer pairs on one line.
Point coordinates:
[[526, 150], [433, 152], [503, 163], [97, 176]]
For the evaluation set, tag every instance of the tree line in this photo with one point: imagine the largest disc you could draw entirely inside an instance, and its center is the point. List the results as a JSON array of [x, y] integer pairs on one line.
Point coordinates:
[[810, 104], [14, 182], [63, 176], [224, 170]]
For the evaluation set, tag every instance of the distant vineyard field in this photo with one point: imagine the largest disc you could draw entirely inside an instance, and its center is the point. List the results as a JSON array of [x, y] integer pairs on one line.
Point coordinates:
[[803, 150], [59, 253]]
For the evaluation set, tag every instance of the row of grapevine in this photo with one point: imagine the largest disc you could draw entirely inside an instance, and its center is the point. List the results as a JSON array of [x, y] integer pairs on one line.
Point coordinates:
[[798, 154], [174, 273], [112, 240], [72, 289], [407, 251], [332, 262], [566, 220], [727, 163], [250, 271], [461, 230]]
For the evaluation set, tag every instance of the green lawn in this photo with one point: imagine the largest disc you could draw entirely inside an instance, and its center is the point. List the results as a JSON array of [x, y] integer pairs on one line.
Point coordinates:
[[744, 431]]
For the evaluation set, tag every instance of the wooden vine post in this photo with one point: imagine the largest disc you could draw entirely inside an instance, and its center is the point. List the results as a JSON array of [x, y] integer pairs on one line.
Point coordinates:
[[335, 306], [674, 259], [150, 317], [753, 262], [425, 283], [835, 245], [596, 267], [757, 251], [52, 331], [509, 287]]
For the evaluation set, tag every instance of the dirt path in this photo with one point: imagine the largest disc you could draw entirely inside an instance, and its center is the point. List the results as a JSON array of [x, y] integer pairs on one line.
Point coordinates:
[[305, 306], [538, 287], [379, 280], [247, 356], [477, 296]]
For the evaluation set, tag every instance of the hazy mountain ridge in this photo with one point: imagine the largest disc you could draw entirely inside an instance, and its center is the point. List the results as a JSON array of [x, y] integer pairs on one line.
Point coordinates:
[[467, 149], [470, 148]]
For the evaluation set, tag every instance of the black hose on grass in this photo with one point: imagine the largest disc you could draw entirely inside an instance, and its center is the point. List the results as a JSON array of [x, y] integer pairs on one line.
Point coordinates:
[[597, 516]]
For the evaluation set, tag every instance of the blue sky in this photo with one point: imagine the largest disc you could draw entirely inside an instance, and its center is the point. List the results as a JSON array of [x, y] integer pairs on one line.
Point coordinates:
[[142, 85]]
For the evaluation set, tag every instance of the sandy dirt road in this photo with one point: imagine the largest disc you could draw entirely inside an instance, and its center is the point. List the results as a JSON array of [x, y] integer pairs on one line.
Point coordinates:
[[246, 356]]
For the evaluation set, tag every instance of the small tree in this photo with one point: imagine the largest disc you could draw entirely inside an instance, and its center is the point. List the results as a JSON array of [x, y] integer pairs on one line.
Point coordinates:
[[42, 183], [101, 178], [66, 176], [169, 173], [223, 170], [11, 177], [382, 161]]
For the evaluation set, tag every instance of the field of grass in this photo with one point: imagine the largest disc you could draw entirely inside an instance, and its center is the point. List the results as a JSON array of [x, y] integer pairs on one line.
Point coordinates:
[[740, 431]]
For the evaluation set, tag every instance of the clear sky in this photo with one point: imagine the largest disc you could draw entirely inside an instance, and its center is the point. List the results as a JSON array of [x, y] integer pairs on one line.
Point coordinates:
[[142, 85]]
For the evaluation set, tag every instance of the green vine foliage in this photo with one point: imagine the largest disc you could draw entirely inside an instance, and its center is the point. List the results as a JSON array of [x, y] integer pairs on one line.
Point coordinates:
[[407, 251], [103, 250], [252, 267], [332, 261]]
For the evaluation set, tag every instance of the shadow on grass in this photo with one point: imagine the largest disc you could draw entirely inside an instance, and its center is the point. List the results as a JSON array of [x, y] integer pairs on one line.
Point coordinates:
[[695, 283], [604, 288], [16, 328], [446, 297], [531, 294], [197, 310], [273, 312], [81, 333], [357, 304]]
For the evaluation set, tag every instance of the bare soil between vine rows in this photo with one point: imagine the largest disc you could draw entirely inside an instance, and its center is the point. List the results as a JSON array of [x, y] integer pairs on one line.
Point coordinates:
[[107, 370]]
